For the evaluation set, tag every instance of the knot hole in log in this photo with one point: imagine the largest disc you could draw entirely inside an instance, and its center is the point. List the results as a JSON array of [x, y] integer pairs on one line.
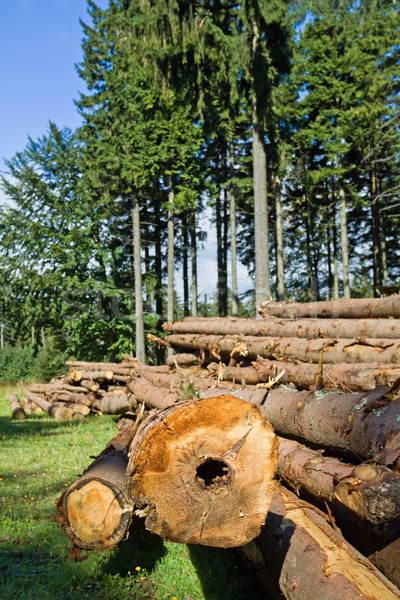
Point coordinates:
[[213, 472]]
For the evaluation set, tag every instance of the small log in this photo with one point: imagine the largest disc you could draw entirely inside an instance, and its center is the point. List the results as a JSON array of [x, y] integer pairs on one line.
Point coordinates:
[[115, 404], [92, 386], [58, 412], [116, 368], [152, 369], [183, 360], [348, 377], [363, 350], [29, 407], [371, 492], [202, 471], [96, 511], [387, 560], [151, 395], [72, 398], [75, 407], [78, 375], [357, 308], [301, 328], [17, 411], [298, 554]]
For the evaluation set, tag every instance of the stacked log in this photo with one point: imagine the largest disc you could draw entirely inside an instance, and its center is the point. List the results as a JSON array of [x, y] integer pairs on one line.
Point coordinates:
[[199, 467]]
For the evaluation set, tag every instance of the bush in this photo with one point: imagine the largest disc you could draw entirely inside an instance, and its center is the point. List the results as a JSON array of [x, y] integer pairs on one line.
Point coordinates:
[[21, 362]]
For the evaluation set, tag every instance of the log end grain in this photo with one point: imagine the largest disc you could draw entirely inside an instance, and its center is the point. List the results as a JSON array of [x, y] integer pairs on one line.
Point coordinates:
[[202, 472], [95, 512]]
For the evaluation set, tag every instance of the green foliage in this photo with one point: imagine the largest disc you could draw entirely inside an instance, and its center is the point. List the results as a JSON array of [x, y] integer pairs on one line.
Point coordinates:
[[16, 363]]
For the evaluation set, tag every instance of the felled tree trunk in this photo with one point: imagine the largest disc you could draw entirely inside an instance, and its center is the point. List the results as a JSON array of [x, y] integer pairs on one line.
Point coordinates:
[[288, 349], [371, 492], [357, 308], [117, 368], [298, 554], [96, 511], [113, 403], [361, 426], [183, 360], [304, 328], [17, 411], [201, 471], [77, 409], [58, 412], [345, 376], [151, 395]]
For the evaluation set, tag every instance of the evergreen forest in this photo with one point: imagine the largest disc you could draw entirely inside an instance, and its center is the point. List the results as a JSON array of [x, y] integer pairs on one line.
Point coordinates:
[[279, 117]]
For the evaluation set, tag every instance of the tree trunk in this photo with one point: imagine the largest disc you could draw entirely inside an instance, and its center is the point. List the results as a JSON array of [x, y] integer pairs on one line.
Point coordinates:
[[232, 218], [358, 308], [150, 395], [371, 492], [17, 411], [335, 257], [298, 554], [303, 328], [365, 350], [193, 249], [261, 233], [140, 345], [118, 368], [344, 239], [183, 360], [201, 472], [185, 248], [171, 253], [280, 275]]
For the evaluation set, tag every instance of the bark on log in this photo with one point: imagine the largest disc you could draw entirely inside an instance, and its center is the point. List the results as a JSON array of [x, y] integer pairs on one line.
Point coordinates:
[[78, 375], [17, 411], [298, 554], [303, 328], [70, 397], [388, 560], [357, 308], [58, 412], [75, 407], [345, 376], [96, 511], [371, 492], [360, 427], [183, 360], [202, 471], [151, 395], [115, 404], [366, 350], [92, 386], [116, 368]]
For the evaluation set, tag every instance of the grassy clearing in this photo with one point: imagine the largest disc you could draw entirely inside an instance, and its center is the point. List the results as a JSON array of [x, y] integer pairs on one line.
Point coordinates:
[[39, 458]]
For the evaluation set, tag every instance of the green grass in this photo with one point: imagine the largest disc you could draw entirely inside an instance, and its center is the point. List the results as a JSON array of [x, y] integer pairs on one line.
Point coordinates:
[[40, 457]]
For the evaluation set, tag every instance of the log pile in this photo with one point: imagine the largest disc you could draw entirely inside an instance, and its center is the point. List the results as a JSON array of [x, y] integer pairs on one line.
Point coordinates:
[[242, 401]]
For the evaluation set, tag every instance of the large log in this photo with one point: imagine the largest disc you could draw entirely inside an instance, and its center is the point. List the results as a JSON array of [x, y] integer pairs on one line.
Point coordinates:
[[17, 411], [298, 554], [365, 350], [70, 397], [113, 403], [357, 308], [359, 427], [369, 491], [173, 380], [96, 511], [201, 471], [75, 407], [58, 412], [303, 328], [345, 376]]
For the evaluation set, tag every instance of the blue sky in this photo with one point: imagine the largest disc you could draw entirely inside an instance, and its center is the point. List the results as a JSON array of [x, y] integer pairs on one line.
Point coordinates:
[[40, 43]]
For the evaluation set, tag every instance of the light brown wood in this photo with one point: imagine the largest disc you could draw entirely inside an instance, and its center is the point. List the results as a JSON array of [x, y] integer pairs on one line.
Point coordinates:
[[202, 471], [17, 411]]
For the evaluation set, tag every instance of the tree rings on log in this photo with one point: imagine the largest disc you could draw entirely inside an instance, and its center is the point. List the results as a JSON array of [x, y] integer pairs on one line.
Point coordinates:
[[95, 512], [202, 471]]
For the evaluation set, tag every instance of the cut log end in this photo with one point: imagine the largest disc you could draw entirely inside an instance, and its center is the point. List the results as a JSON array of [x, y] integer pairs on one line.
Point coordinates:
[[202, 472], [95, 512]]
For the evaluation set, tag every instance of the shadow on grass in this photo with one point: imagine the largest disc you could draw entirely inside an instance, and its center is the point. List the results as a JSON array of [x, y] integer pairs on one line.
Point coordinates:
[[223, 574], [32, 425], [141, 548]]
